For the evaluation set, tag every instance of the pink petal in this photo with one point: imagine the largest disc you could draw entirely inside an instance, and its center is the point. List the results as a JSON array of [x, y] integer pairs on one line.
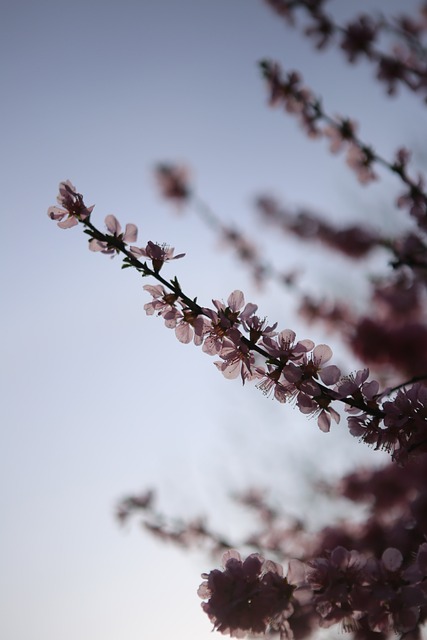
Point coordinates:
[[137, 252], [96, 245], [392, 559], [248, 311], [302, 346], [113, 225], [156, 290], [231, 554], [184, 332], [236, 300], [131, 233], [55, 213], [231, 370], [322, 353], [324, 422], [296, 572], [287, 336], [330, 375], [68, 223], [203, 591]]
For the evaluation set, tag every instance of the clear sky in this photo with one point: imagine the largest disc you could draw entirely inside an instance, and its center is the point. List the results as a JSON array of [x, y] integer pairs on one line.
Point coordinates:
[[98, 399]]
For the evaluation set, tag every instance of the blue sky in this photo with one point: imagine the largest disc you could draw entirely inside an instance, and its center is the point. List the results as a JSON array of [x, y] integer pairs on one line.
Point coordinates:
[[100, 400]]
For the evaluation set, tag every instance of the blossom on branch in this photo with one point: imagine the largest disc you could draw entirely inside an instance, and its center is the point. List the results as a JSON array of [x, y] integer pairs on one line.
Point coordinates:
[[191, 327], [360, 159], [74, 209], [163, 304], [114, 228], [157, 253], [225, 321], [237, 358], [247, 596]]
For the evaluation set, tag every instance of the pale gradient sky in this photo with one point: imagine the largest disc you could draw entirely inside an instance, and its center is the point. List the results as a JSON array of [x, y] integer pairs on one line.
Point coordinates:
[[98, 399]]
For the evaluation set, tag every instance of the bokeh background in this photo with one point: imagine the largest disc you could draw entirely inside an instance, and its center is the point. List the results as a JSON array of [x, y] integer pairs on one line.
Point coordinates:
[[99, 400]]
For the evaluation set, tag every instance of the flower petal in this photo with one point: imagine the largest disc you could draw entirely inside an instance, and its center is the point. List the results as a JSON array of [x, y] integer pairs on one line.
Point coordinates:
[[113, 225], [131, 233]]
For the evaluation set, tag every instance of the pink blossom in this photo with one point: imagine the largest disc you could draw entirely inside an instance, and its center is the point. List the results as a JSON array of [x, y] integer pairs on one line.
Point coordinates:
[[358, 37], [258, 328], [284, 348], [74, 209], [312, 366], [173, 182], [340, 134], [334, 578], [190, 326], [360, 159], [115, 230], [247, 596], [236, 359], [415, 200], [163, 304], [273, 380], [158, 254], [226, 320]]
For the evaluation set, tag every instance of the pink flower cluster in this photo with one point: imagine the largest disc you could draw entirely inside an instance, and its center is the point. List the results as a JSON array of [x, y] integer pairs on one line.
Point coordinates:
[[288, 92], [379, 594], [363, 37], [368, 575], [249, 596], [360, 593]]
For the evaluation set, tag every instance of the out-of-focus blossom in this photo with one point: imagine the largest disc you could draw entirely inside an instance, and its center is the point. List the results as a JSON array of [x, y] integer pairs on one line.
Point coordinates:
[[340, 134], [173, 182], [415, 200], [360, 159], [358, 37]]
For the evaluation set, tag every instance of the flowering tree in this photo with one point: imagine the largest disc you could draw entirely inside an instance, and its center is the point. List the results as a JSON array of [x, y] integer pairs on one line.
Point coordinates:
[[371, 577]]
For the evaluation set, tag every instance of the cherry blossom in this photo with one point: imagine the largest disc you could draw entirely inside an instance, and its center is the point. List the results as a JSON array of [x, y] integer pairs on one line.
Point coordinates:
[[368, 575], [173, 182], [114, 228], [74, 209], [163, 304], [158, 254], [247, 595], [191, 327], [225, 321], [237, 358]]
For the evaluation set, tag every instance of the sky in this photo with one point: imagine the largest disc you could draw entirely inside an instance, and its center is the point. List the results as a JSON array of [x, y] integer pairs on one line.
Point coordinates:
[[99, 400]]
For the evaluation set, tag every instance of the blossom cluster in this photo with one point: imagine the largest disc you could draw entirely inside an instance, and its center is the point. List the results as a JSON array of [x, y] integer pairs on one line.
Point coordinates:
[[174, 185], [287, 91], [369, 576], [247, 346], [374, 595], [362, 38], [250, 596]]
